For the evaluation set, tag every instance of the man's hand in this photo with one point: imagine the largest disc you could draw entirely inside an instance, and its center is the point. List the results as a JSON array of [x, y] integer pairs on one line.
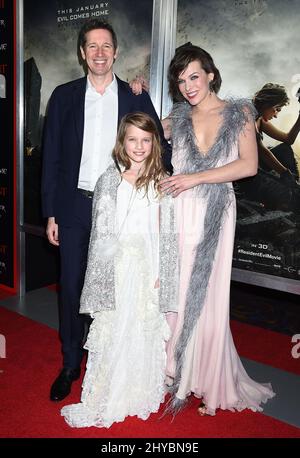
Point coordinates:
[[52, 231], [138, 84]]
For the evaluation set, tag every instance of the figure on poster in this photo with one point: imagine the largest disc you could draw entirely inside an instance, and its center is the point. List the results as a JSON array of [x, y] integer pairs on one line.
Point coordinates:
[[275, 186], [80, 133], [130, 283], [213, 144], [269, 101]]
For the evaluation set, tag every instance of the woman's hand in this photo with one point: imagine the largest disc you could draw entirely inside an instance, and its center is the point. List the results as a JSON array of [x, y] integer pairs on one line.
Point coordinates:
[[178, 183]]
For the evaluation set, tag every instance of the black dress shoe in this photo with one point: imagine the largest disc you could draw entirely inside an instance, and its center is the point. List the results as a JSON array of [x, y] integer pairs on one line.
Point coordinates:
[[61, 387]]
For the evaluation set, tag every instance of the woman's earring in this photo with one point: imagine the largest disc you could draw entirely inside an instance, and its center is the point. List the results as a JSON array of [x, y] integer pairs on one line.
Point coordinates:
[[210, 85]]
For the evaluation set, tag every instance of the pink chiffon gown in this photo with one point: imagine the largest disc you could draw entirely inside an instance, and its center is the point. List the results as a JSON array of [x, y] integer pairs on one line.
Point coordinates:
[[211, 368]]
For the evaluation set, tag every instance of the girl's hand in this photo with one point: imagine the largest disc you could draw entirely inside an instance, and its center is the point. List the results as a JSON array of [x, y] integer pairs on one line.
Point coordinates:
[[178, 183], [156, 284], [138, 84]]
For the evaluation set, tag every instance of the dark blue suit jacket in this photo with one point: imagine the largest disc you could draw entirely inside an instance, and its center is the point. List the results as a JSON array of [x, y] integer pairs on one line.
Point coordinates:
[[63, 139]]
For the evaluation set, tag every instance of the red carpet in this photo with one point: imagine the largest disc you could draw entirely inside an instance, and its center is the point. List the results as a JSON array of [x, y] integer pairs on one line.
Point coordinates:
[[5, 294], [33, 358], [264, 346]]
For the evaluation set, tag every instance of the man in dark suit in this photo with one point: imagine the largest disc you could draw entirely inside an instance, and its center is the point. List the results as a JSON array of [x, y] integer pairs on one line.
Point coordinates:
[[80, 132]]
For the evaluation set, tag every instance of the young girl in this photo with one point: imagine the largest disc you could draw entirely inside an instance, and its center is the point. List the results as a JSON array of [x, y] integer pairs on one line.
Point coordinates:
[[127, 289]]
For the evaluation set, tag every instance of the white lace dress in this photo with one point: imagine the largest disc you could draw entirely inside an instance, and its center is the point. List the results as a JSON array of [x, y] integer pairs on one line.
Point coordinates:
[[127, 358]]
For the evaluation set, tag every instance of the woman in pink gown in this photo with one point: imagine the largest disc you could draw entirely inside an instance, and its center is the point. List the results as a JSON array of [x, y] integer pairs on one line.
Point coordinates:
[[213, 144]]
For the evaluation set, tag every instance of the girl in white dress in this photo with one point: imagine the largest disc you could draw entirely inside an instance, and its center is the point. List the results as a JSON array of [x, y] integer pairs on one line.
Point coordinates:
[[127, 289]]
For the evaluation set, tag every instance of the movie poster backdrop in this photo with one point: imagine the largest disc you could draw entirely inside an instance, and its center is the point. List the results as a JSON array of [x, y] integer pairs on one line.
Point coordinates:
[[50, 54], [254, 42]]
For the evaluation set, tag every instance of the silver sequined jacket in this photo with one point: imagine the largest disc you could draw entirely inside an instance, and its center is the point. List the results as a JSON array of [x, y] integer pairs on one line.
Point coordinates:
[[99, 286]]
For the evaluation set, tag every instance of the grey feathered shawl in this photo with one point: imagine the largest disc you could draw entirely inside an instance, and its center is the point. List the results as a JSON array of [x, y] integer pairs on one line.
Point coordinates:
[[99, 286], [219, 196]]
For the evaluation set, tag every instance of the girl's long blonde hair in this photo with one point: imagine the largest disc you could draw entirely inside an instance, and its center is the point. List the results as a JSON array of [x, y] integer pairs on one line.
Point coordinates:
[[153, 169]]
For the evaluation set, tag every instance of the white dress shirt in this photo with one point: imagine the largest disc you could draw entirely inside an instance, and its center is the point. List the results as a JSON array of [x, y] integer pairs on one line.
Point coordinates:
[[100, 132]]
